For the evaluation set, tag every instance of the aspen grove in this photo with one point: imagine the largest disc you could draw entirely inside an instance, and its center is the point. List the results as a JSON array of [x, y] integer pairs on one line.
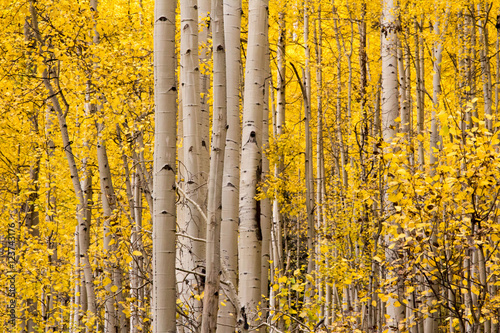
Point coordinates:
[[201, 166]]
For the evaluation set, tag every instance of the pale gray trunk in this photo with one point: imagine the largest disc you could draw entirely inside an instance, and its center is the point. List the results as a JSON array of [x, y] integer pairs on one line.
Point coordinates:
[[435, 147], [231, 178], [191, 254], [279, 125], [137, 263], [164, 169], [341, 144], [114, 318], [485, 66], [308, 156], [389, 113], [213, 263], [320, 167], [265, 211]]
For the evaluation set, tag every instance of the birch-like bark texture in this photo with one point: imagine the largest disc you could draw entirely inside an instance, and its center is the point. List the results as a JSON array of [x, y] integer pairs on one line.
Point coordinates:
[[389, 113], [204, 53], [308, 156], [277, 242], [231, 179], [136, 280], [485, 65], [278, 129], [419, 70], [431, 322], [191, 254], [251, 169], [436, 91], [265, 205], [389, 107], [115, 318], [164, 169], [214, 207], [320, 170]]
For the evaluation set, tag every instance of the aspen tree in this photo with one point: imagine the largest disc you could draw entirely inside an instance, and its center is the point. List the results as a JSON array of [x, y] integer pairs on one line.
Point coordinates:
[[279, 125], [230, 195], [324, 293], [265, 210], [485, 65], [251, 167], [164, 169], [497, 76], [191, 253], [213, 262], [431, 322], [420, 87], [136, 267], [389, 113], [308, 155]]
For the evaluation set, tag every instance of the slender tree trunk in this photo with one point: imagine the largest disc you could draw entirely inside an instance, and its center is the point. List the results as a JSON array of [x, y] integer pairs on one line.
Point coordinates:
[[265, 211], [231, 179], [436, 82], [389, 113], [164, 188], [308, 156], [279, 125], [211, 299], [320, 166], [485, 66], [191, 253]]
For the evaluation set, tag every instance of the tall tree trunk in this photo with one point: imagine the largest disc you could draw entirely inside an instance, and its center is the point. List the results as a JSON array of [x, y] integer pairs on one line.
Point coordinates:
[[164, 169], [191, 253], [251, 167], [485, 65], [265, 204], [231, 179], [213, 263], [308, 156], [389, 113]]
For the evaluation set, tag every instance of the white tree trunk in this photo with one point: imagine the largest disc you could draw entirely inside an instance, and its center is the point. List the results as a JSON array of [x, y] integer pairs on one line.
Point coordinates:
[[164, 169], [231, 179], [191, 253], [251, 157], [389, 113], [213, 264]]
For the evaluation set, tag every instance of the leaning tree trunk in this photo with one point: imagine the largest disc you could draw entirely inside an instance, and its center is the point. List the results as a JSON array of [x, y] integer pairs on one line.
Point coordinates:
[[164, 169]]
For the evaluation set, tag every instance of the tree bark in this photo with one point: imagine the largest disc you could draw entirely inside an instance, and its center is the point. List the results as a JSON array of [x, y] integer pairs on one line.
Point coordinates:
[[231, 179], [251, 167], [213, 263], [164, 169]]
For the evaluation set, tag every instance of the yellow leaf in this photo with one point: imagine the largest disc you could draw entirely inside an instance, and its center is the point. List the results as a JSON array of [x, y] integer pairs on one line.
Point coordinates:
[[114, 289], [137, 253], [106, 281]]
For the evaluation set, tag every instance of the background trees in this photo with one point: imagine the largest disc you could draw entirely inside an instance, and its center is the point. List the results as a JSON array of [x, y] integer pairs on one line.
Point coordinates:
[[393, 226]]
